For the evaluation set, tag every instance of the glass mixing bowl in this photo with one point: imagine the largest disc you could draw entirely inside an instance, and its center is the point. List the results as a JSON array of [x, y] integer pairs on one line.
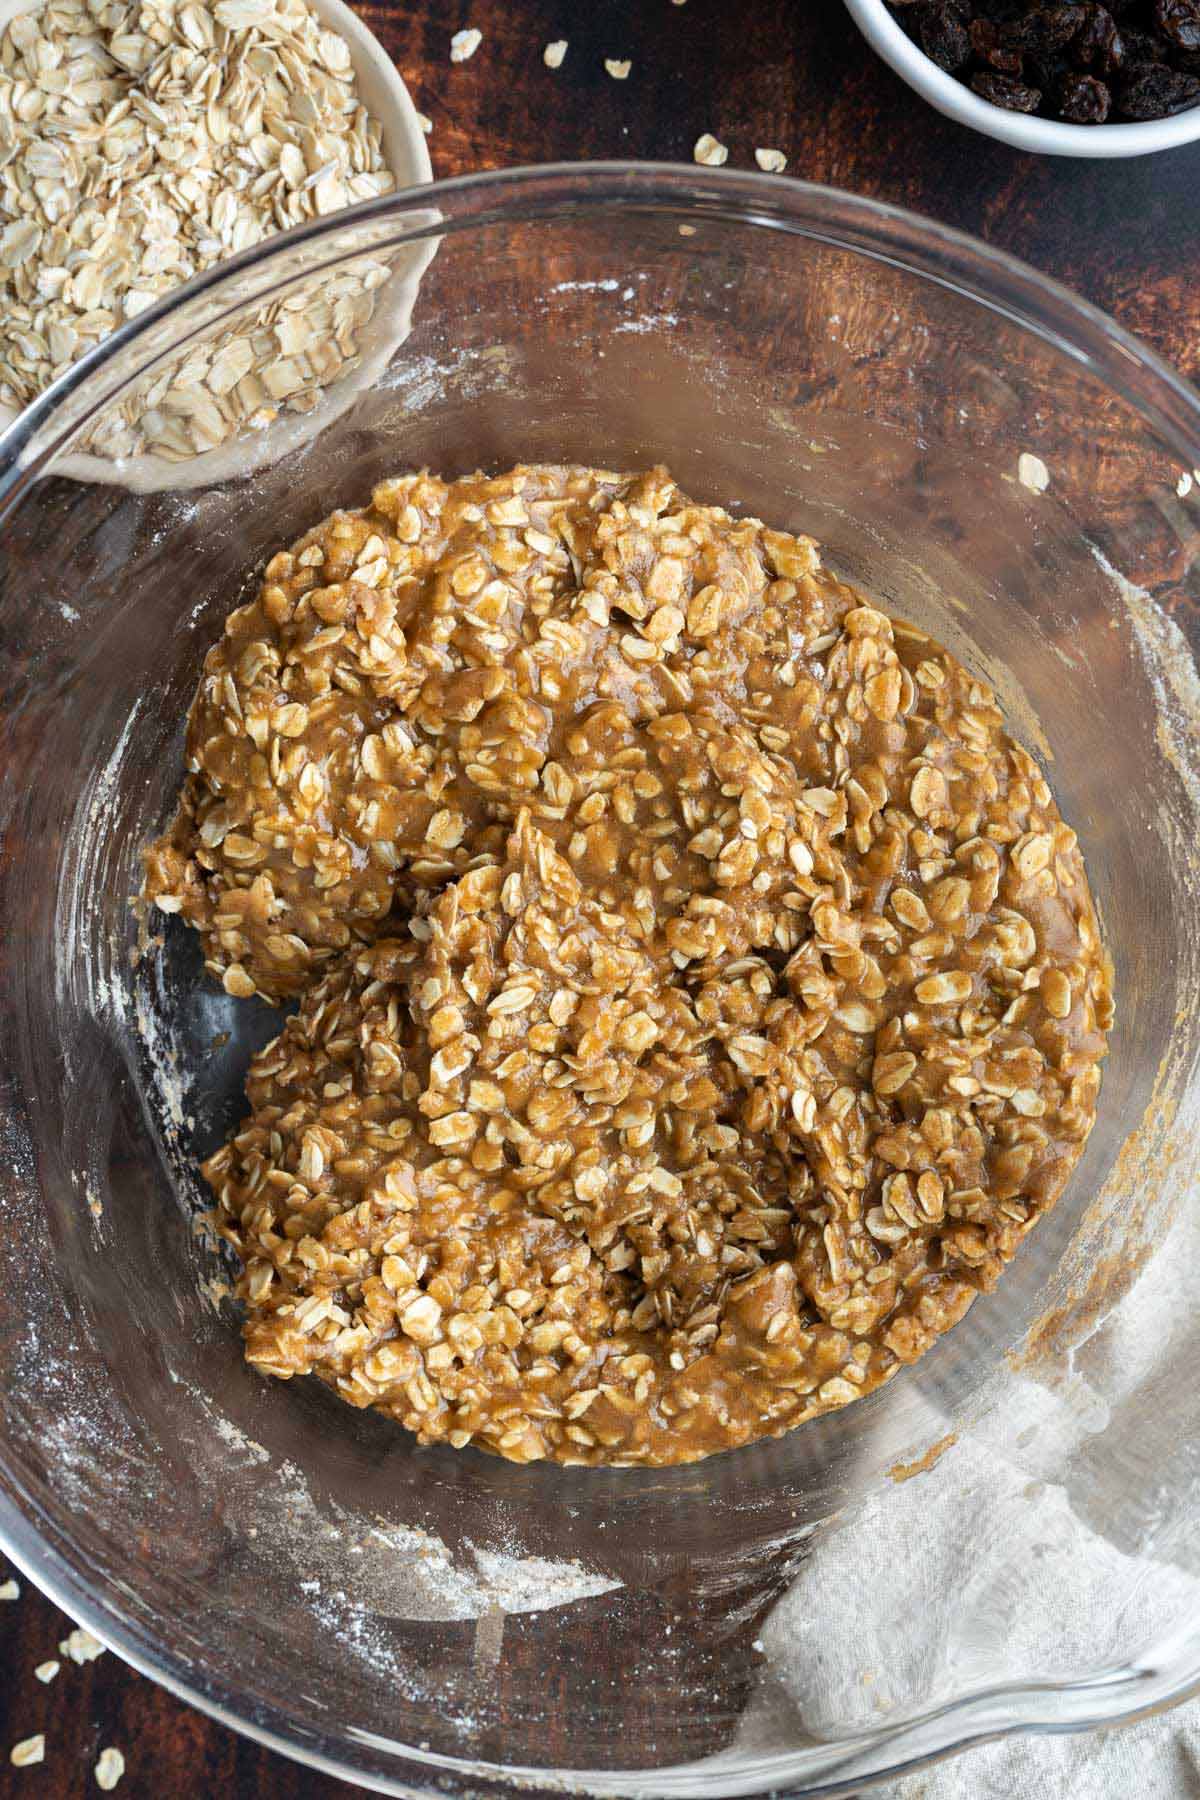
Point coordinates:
[[980, 452]]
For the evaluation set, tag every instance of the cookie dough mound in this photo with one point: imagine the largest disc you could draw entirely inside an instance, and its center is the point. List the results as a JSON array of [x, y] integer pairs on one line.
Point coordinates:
[[482, 1185], [409, 676], [331, 742], [700, 992]]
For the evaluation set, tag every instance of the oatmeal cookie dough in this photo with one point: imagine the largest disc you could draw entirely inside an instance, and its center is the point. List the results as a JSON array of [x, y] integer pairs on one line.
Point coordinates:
[[700, 993], [587, 644]]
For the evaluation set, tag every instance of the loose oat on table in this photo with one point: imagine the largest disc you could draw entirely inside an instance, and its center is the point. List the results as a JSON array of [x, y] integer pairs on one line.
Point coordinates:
[[80, 1646], [464, 44], [46, 1671], [707, 149], [110, 1766], [617, 69], [554, 53], [700, 995], [10, 1590], [1032, 472], [773, 162], [30, 1750], [141, 144]]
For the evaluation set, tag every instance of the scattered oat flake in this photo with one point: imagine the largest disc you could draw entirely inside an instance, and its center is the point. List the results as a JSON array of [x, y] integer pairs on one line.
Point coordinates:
[[29, 1750], [618, 70], [464, 44], [1032, 472], [710, 151], [553, 54], [46, 1671], [774, 162], [81, 1646], [10, 1590], [425, 122], [1183, 486], [110, 1766]]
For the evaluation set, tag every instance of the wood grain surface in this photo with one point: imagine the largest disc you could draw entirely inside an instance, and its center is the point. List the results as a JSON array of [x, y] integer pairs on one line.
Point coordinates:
[[786, 74]]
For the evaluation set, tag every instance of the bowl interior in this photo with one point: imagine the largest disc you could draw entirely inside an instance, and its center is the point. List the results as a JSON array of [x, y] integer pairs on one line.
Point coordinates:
[[834, 369]]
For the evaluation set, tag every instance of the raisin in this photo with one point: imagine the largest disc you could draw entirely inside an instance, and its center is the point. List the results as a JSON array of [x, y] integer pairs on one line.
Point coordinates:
[[1084, 100], [942, 35], [995, 47], [1002, 90], [1098, 43], [1051, 28], [1047, 71], [1179, 20], [1151, 91], [1142, 46], [1093, 59]]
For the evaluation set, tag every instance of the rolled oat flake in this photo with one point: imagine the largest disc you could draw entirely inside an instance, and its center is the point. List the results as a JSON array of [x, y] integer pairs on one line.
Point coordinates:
[[110, 1766]]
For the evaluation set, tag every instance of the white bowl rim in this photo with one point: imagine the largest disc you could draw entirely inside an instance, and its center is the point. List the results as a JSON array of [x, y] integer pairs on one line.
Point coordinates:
[[1026, 132]]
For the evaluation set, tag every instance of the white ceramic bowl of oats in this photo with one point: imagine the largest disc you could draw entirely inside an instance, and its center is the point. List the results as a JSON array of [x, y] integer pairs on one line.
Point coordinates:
[[276, 111]]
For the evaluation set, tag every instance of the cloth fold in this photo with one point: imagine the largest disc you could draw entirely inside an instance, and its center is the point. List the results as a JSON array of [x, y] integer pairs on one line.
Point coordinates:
[[1059, 1535]]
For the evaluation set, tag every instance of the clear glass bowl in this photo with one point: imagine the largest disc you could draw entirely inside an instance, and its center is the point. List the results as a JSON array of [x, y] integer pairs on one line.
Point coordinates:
[[426, 1621]]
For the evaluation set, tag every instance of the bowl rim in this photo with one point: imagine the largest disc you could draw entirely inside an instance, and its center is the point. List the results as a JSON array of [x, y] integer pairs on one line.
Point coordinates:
[[1051, 137], [937, 253], [942, 253]]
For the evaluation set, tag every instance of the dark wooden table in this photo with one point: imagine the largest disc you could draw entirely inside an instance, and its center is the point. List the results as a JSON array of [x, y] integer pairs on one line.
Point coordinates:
[[787, 74]]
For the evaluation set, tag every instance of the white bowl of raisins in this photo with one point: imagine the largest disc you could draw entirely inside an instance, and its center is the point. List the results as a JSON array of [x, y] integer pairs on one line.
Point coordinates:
[[1065, 77]]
